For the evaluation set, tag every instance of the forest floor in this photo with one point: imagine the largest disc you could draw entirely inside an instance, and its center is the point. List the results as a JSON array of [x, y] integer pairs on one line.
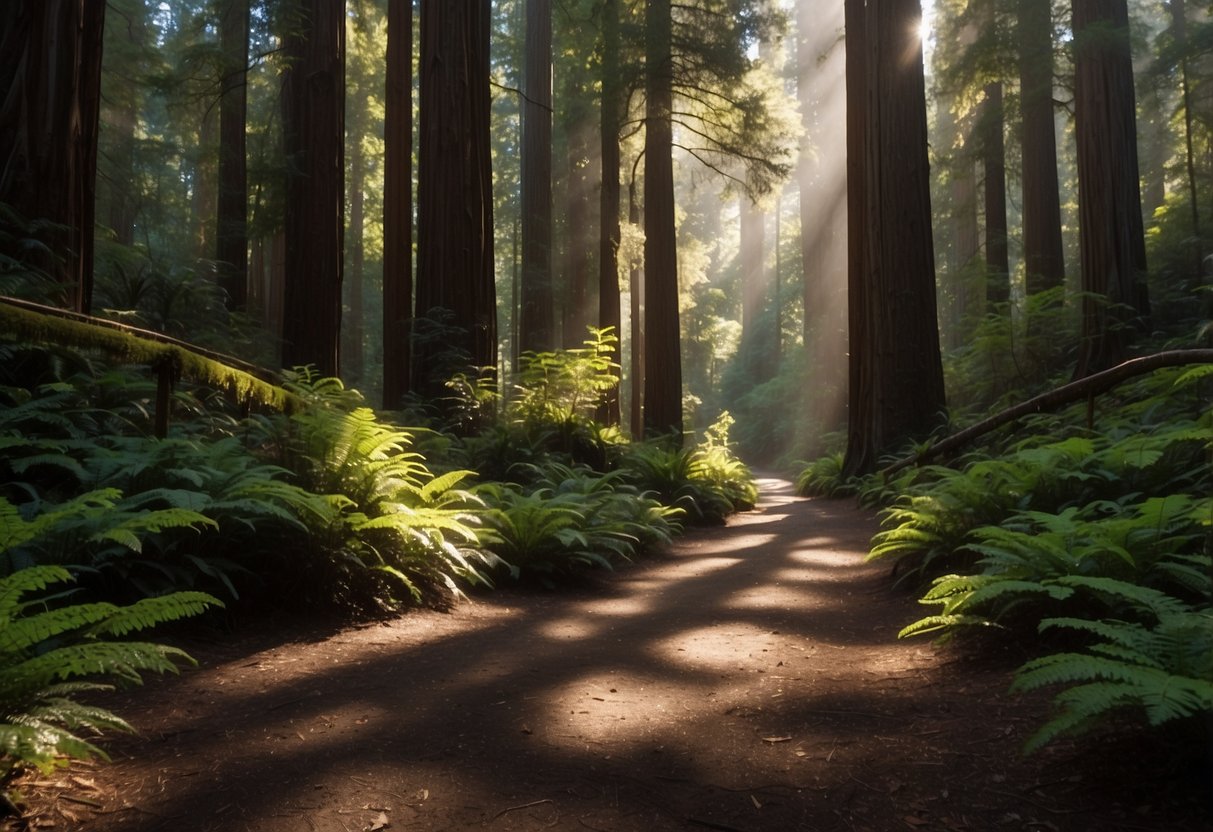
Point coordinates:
[[746, 678]]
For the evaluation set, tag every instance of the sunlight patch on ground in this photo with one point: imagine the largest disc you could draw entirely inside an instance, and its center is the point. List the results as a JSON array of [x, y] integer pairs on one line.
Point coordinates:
[[834, 561], [711, 648], [572, 627], [768, 596], [592, 712]]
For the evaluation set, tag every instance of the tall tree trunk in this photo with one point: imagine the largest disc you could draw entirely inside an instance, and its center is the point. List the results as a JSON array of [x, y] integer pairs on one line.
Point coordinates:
[[537, 314], [455, 193], [636, 287], [314, 140], [755, 290], [1179, 34], [998, 267], [398, 204], [1044, 263], [50, 97], [610, 316], [663, 357], [231, 232], [961, 311], [1111, 235], [900, 393], [204, 198]]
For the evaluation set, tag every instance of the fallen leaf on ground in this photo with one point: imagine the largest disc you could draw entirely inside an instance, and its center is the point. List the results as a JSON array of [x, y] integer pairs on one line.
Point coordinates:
[[776, 739], [381, 822]]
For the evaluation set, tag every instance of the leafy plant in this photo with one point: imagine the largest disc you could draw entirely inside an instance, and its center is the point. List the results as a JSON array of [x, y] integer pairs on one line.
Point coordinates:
[[1162, 671], [48, 654]]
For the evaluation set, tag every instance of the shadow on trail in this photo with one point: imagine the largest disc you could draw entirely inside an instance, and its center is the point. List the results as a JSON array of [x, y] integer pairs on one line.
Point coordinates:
[[735, 681]]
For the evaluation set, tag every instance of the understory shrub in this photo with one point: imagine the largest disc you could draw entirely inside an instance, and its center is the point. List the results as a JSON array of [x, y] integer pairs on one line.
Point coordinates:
[[52, 651], [1102, 536]]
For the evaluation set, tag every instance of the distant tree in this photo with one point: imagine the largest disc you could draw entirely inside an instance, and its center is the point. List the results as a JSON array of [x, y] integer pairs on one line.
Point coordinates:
[[231, 232], [994, 162], [397, 204], [611, 114], [50, 97], [313, 97], [1044, 261], [455, 200], [1111, 235], [897, 390], [536, 318]]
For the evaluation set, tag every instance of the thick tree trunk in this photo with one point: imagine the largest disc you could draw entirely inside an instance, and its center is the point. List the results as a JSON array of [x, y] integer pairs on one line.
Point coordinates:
[[398, 204], [314, 139], [1111, 235], [455, 191], [536, 319], [1044, 263], [901, 393], [231, 232], [663, 356], [50, 97], [610, 316], [859, 380]]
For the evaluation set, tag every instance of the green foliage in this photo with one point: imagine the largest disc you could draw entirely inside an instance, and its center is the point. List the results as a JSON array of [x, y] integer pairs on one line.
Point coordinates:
[[1162, 671], [706, 480], [824, 478], [570, 518], [45, 648], [391, 513]]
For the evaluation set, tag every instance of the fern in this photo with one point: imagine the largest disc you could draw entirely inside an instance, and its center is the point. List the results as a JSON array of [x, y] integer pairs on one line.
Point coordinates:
[[45, 652], [1164, 672]]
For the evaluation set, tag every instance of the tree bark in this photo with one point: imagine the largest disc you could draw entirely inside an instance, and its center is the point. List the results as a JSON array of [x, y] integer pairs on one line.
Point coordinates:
[[663, 357], [610, 316], [1111, 235], [900, 390], [1044, 261], [397, 204], [50, 97], [314, 140], [231, 231], [455, 196]]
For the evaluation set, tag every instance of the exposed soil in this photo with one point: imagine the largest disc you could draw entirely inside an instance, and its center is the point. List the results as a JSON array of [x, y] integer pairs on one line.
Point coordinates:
[[748, 678]]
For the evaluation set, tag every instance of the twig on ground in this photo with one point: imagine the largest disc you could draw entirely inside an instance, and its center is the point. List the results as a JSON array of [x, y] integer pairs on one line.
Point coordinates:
[[523, 806]]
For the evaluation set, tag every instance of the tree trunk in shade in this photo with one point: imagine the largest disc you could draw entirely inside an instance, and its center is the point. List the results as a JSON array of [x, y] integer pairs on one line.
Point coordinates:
[[231, 224], [50, 100], [313, 98], [663, 356], [536, 319], [1111, 235], [398, 204], [609, 313]]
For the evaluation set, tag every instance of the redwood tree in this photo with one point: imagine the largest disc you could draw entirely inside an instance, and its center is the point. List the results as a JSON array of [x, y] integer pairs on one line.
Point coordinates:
[[313, 96], [609, 235], [663, 358], [1044, 263], [897, 374], [231, 232], [50, 97], [455, 199], [1111, 236], [397, 204]]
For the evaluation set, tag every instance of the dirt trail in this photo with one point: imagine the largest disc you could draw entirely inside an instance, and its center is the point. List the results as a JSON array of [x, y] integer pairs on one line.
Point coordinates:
[[748, 678]]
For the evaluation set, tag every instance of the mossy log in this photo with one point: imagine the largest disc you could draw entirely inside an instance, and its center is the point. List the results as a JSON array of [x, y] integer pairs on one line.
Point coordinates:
[[1085, 388], [168, 356]]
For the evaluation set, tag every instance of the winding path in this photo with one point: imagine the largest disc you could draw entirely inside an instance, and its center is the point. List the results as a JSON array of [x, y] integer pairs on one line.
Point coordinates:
[[748, 678]]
